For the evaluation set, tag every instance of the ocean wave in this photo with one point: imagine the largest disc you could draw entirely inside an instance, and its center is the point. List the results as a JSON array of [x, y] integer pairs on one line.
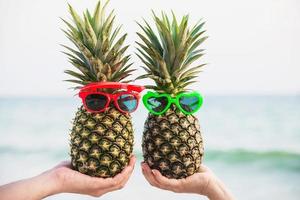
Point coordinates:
[[275, 159], [251, 155]]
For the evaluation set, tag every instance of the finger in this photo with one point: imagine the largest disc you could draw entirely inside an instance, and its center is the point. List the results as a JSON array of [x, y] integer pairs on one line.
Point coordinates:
[[148, 175], [117, 181], [129, 169], [164, 182], [132, 161], [125, 174]]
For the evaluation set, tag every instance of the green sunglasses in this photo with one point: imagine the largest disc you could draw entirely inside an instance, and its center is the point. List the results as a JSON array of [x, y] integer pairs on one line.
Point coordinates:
[[159, 103]]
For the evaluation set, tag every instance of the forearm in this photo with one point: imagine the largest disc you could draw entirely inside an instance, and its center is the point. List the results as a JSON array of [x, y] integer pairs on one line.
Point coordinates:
[[34, 188], [218, 191]]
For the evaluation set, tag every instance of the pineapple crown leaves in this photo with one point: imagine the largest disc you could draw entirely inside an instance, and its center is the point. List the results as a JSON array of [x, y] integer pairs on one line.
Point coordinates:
[[169, 53], [99, 55]]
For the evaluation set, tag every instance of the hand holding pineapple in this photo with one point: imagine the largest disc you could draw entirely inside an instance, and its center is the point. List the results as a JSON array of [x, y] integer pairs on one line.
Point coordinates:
[[204, 183], [62, 179], [70, 181]]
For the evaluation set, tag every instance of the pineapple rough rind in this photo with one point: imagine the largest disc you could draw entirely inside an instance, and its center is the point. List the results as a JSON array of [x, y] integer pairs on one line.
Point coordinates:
[[102, 143], [172, 143]]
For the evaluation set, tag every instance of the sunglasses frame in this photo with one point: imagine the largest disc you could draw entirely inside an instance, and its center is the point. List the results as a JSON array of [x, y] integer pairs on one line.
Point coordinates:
[[112, 85], [92, 88], [172, 100]]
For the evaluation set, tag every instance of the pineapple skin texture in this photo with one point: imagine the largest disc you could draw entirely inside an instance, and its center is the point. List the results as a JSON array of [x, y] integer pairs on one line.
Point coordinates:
[[172, 144], [101, 144]]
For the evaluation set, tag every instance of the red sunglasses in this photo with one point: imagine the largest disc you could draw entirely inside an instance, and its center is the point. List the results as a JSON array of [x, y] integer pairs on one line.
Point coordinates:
[[96, 101]]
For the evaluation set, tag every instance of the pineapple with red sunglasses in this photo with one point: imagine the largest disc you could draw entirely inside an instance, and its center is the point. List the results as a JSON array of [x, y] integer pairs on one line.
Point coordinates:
[[102, 134]]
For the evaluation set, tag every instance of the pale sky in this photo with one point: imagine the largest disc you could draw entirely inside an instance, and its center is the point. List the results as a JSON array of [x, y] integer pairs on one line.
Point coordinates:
[[253, 46]]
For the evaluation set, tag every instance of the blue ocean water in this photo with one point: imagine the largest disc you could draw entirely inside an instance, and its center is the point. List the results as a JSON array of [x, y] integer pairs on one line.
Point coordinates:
[[251, 142]]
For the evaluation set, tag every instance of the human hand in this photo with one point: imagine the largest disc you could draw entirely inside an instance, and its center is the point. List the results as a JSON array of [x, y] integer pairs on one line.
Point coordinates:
[[71, 181], [63, 179], [204, 183]]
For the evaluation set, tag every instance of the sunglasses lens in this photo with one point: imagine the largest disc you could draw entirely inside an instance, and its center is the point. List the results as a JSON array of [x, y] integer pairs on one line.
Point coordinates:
[[189, 103], [157, 104], [127, 102], [96, 102]]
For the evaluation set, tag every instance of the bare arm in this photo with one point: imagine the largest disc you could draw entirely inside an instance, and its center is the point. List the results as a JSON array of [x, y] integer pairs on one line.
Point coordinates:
[[203, 183], [33, 188], [62, 179]]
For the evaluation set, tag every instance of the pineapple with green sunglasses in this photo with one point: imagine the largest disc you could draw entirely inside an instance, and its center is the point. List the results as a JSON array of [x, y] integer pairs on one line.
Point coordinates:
[[172, 142]]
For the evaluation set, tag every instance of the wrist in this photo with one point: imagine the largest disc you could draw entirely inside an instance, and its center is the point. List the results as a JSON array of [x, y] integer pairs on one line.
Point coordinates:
[[47, 184], [212, 190], [216, 190]]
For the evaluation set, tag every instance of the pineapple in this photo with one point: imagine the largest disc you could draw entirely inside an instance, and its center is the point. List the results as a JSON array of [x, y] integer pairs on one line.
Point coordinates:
[[172, 142], [101, 143]]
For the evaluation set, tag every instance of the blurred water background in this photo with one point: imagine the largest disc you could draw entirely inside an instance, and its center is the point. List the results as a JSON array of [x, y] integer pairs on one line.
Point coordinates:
[[251, 142]]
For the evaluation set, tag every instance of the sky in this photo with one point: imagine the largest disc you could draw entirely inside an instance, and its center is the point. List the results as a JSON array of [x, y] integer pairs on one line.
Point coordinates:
[[253, 46]]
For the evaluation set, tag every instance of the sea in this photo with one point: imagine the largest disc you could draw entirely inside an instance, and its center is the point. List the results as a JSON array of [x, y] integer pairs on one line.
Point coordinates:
[[252, 143]]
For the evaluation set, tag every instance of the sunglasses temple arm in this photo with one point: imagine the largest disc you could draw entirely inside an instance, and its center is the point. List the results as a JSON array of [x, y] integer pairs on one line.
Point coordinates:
[[136, 88]]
